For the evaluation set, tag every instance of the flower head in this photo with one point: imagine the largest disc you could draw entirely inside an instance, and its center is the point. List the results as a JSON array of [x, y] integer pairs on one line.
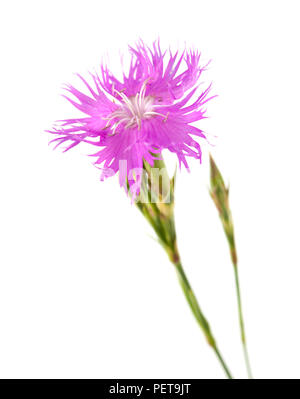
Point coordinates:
[[133, 119]]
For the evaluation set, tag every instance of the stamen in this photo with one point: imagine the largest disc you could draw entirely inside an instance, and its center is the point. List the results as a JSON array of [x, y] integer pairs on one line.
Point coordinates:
[[132, 110]]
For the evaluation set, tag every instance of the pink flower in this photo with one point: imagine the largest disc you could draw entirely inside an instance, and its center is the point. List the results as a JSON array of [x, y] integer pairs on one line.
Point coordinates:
[[133, 119]]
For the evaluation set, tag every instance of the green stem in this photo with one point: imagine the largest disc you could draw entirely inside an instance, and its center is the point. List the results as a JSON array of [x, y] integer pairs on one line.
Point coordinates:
[[220, 195], [242, 327], [203, 323], [160, 215]]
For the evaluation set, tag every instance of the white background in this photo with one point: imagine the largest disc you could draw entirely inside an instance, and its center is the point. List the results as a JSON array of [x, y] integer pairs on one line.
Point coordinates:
[[84, 290]]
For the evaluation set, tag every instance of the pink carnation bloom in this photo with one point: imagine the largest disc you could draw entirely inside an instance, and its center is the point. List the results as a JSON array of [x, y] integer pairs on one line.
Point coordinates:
[[133, 119]]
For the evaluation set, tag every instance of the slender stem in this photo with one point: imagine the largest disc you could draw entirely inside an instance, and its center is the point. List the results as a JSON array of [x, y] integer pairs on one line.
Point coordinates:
[[217, 352], [220, 195], [242, 327], [160, 215], [203, 323]]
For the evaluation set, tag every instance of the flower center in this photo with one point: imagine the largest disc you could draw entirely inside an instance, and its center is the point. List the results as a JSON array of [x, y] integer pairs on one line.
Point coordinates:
[[133, 110]]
